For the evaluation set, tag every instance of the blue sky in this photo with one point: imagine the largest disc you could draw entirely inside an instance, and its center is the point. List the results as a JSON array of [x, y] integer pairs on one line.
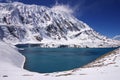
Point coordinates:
[[102, 15]]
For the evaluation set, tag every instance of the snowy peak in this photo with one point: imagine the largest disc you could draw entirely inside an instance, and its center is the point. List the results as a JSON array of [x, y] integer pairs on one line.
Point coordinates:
[[21, 23]]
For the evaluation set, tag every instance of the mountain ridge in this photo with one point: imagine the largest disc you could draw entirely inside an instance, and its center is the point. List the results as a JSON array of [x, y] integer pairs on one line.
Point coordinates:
[[21, 23]]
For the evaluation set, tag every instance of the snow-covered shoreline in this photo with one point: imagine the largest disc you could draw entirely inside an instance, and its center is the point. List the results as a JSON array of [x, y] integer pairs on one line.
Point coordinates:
[[12, 61], [103, 61], [9, 54], [63, 44]]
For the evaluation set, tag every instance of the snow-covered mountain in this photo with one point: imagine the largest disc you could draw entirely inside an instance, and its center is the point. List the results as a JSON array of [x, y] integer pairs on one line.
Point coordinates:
[[21, 23]]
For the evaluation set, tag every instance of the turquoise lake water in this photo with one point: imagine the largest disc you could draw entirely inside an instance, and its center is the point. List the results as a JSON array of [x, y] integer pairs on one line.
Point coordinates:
[[47, 60]]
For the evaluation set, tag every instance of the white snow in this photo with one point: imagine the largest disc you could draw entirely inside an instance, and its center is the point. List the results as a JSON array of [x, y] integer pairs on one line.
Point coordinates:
[[11, 68], [56, 26], [35, 24], [10, 55]]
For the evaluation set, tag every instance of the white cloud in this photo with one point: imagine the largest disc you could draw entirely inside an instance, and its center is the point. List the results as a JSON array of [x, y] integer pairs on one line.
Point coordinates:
[[117, 37], [76, 9], [63, 8]]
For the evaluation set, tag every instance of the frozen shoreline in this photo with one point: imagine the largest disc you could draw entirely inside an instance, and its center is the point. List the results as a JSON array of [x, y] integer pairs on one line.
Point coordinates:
[[12, 68]]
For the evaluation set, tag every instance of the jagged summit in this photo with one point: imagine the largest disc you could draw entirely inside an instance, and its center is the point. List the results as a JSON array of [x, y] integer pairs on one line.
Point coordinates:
[[21, 23]]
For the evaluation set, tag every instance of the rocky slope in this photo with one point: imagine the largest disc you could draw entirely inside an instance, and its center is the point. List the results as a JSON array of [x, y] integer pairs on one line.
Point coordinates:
[[21, 23]]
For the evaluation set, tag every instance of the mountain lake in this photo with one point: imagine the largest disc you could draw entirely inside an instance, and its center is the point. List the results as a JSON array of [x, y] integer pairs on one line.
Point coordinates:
[[48, 60]]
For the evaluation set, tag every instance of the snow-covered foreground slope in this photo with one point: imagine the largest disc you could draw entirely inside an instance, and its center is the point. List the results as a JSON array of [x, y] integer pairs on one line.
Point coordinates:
[[21, 23], [11, 68], [10, 55]]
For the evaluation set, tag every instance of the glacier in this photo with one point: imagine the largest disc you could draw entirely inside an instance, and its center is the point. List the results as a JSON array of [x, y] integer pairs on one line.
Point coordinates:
[[21, 23]]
